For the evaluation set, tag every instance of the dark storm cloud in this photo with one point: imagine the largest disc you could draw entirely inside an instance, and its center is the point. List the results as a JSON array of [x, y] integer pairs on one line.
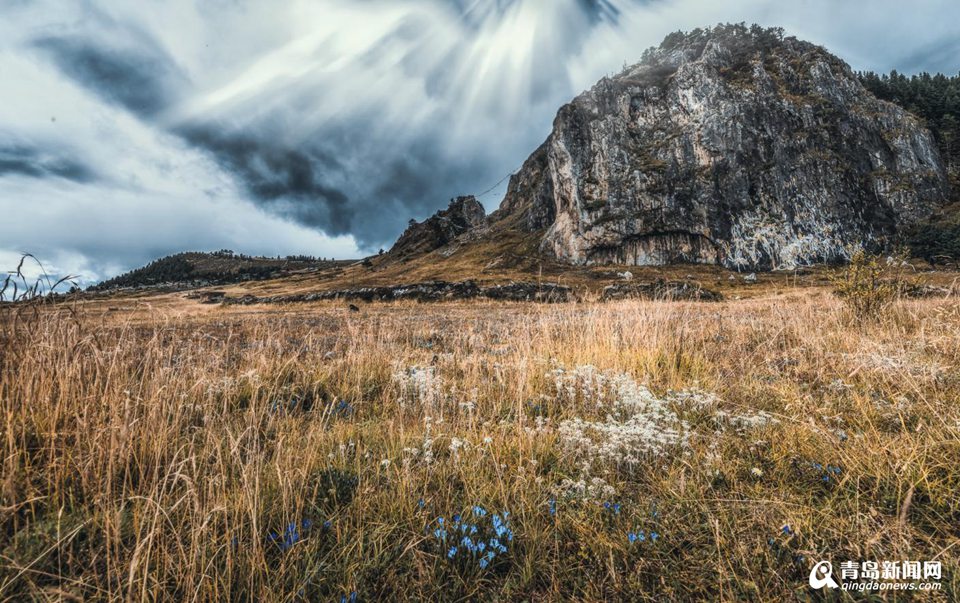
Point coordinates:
[[146, 82], [29, 161], [142, 80], [292, 180], [340, 180]]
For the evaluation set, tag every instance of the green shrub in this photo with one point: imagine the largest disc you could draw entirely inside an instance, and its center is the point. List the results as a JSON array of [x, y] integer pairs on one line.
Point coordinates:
[[865, 286]]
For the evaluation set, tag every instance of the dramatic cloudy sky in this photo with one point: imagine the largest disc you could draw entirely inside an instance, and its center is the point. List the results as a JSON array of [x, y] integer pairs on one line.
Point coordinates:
[[130, 129]]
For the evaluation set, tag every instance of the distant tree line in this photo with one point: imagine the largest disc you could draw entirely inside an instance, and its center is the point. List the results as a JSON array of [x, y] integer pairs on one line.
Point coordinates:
[[170, 269], [212, 268]]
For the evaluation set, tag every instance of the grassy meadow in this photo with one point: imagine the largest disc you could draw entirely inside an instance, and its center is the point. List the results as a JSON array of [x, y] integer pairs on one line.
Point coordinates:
[[161, 450]]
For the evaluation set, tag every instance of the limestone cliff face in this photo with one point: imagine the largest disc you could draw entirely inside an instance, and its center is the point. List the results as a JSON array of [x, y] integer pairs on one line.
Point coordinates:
[[728, 146]]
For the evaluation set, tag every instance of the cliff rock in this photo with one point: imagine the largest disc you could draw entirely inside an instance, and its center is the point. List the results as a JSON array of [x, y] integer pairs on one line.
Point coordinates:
[[463, 214], [732, 146]]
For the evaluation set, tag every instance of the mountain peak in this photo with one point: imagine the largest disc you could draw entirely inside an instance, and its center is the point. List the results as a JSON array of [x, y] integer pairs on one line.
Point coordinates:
[[732, 145]]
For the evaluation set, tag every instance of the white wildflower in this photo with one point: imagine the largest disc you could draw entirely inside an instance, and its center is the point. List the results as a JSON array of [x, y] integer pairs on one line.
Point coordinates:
[[638, 423], [594, 489], [419, 385], [456, 444]]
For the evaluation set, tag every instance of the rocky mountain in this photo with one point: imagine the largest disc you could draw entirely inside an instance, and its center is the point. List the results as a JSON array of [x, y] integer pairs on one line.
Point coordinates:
[[734, 146], [462, 215]]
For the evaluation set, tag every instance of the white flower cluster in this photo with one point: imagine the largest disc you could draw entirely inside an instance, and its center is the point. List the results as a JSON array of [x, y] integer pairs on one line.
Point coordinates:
[[594, 489], [583, 384], [456, 444], [419, 386], [697, 399], [638, 424], [746, 421], [422, 455]]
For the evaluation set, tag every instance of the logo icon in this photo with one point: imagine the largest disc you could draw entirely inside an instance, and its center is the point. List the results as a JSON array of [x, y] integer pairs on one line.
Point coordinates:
[[822, 575]]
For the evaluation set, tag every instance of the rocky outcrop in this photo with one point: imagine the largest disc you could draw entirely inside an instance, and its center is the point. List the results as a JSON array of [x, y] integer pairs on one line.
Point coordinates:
[[732, 146], [659, 290], [431, 291], [462, 215]]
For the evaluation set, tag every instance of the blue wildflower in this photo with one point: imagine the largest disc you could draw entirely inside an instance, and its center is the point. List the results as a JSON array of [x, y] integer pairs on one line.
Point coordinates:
[[787, 530], [654, 536], [451, 552], [553, 506]]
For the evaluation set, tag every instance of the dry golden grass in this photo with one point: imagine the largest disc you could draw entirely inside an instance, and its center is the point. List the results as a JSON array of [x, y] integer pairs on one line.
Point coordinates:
[[148, 455]]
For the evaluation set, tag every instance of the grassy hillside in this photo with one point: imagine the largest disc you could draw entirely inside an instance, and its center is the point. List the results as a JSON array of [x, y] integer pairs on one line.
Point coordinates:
[[191, 269]]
